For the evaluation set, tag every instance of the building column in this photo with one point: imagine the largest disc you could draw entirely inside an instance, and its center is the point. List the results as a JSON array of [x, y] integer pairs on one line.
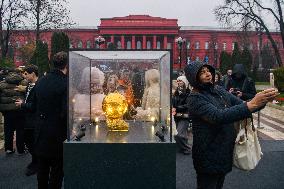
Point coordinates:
[[154, 42], [144, 42], [133, 45], [122, 42], [165, 42], [112, 39]]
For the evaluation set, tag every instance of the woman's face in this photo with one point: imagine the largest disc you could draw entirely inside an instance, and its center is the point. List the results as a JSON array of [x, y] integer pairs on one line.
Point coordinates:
[[205, 75], [180, 83]]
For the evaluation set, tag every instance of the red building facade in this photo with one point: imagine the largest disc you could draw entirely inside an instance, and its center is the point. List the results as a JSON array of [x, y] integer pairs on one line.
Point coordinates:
[[144, 32]]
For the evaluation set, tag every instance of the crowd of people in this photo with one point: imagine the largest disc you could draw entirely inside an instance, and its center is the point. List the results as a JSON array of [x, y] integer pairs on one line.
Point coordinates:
[[204, 100]]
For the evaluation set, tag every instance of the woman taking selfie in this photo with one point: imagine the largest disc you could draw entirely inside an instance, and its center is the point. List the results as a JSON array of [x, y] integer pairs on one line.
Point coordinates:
[[214, 112]]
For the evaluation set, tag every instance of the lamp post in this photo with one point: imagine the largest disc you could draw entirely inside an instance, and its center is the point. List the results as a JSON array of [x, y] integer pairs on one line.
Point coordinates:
[[99, 40], [259, 30], [180, 41]]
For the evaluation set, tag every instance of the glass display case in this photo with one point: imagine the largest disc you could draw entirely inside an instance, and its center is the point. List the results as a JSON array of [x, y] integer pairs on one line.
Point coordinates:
[[119, 96]]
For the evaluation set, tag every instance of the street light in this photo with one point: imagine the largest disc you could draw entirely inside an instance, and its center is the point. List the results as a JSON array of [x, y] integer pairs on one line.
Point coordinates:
[[99, 40], [180, 41], [259, 31]]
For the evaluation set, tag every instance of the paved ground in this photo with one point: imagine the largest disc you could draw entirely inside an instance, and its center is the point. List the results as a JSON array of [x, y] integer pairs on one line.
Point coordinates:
[[268, 175]]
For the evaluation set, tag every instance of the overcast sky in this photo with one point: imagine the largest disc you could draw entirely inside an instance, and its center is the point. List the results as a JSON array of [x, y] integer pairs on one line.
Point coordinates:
[[188, 12]]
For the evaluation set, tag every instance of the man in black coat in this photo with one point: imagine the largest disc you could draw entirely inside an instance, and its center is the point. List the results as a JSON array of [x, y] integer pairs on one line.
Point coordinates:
[[50, 103], [240, 84], [30, 73]]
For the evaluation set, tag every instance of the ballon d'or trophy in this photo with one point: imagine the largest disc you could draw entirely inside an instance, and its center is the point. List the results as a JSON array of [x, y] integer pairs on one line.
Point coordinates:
[[114, 107]]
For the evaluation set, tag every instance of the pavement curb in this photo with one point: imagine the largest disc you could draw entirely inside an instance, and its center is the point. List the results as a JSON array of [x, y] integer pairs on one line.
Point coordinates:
[[275, 106]]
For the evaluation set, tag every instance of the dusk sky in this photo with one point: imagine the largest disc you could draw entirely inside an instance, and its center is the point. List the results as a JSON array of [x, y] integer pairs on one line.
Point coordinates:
[[188, 12]]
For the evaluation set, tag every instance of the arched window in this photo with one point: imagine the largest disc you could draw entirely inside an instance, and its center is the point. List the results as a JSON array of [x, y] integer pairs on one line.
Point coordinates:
[[206, 45], [118, 44], [128, 45], [18, 44], [88, 44], [148, 44], [197, 45], [138, 45], [169, 46], [158, 45], [80, 45]]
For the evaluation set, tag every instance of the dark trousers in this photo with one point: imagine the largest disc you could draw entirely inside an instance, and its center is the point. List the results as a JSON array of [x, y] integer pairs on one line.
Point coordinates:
[[182, 134], [29, 141], [210, 181], [50, 173], [10, 125]]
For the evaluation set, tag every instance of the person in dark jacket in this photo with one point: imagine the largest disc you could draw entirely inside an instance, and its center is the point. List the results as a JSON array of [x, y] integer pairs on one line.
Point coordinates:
[[218, 79], [214, 111], [181, 116], [50, 103], [240, 84], [30, 73]]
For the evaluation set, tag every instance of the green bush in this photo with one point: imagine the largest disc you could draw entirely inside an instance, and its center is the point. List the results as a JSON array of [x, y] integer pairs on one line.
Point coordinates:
[[279, 78], [6, 63]]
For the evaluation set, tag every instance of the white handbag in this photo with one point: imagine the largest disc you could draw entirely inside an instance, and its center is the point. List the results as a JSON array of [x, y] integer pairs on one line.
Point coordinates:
[[247, 151]]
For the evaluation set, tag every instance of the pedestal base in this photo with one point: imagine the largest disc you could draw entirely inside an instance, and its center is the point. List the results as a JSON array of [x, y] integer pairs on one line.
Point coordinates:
[[119, 166]]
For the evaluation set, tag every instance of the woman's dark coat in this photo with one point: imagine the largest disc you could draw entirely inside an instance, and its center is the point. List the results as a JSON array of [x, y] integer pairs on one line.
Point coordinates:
[[50, 103], [180, 103], [213, 112]]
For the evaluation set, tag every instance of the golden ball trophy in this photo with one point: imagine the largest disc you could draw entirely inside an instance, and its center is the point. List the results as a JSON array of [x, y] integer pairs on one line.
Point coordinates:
[[114, 107]]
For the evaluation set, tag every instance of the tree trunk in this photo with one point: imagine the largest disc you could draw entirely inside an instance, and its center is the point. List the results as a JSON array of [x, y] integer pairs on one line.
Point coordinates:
[[37, 20]]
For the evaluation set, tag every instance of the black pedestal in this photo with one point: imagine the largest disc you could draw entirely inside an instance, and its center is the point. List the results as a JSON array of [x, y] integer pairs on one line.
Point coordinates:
[[110, 165]]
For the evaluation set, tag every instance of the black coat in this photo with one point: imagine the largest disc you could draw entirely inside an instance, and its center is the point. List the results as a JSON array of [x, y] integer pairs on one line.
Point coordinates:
[[213, 111], [180, 103], [50, 103], [27, 108], [245, 83]]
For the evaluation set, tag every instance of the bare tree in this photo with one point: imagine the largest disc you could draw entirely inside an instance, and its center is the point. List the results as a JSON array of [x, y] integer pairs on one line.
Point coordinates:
[[236, 11], [12, 12], [48, 14]]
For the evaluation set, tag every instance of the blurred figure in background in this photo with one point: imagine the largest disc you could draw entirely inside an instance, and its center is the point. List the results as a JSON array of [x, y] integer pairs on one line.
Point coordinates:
[[181, 116], [240, 84]]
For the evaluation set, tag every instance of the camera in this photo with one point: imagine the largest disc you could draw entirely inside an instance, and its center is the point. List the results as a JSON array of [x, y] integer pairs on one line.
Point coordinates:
[[235, 91]]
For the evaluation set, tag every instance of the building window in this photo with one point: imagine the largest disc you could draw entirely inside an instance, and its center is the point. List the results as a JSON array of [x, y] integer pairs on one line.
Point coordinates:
[[216, 46], [128, 45], [18, 58], [158, 45], [188, 44], [197, 45], [138, 45], [18, 44], [148, 44], [251, 46], [70, 45], [88, 44], [197, 58], [224, 46], [169, 46], [80, 45], [118, 45], [233, 46], [206, 45]]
